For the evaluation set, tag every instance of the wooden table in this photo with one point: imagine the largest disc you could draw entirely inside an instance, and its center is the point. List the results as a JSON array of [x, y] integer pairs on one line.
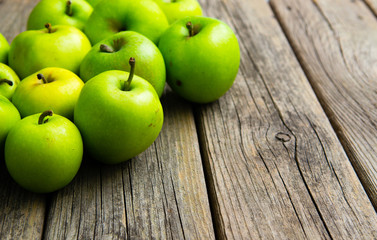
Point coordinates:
[[288, 153]]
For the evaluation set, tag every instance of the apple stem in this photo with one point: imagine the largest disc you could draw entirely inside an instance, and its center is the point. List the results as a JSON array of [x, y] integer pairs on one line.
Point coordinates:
[[10, 83], [127, 84], [68, 8], [43, 115], [190, 27], [48, 26], [41, 77], [106, 48]]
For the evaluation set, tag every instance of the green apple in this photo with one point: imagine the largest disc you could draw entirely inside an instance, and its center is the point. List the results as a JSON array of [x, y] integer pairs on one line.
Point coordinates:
[[4, 49], [202, 57], [113, 54], [93, 2], [50, 88], [59, 12], [118, 119], [42, 153], [9, 116], [142, 16], [8, 81], [177, 9], [57, 46]]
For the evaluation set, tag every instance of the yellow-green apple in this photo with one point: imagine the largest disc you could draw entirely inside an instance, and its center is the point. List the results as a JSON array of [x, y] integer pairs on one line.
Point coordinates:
[[202, 58], [50, 88], [4, 49], [177, 9], [8, 81], [55, 46], [43, 152], [142, 16], [119, 115], [59, 12], [93, 2], [114, 52], [9, 116]]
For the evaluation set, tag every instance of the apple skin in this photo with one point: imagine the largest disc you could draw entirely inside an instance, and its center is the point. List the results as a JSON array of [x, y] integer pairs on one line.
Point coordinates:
[[178, 9], [150, 63], [9, 116], [110, 17], [117, 125], [43, 157], [54, 12], [93, 2], [4, 49], [60, 94], [34, 50], [8, 73], [203, 67]]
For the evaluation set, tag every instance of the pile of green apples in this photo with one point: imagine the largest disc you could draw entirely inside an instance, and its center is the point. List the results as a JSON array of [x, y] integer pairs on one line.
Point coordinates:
[[88, 75]]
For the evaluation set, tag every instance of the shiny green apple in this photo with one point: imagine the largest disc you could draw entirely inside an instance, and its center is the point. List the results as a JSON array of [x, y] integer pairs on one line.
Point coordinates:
[[202, 57], [110, 17], [50, 88], [114, 52], [4, 49], [119, 116], [177, 9], [59, 12], [9, 116], [43, 152], [8, 81], [57, 46]]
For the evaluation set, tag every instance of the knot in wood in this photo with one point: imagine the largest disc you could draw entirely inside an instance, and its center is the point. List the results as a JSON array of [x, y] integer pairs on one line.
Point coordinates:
[[284, 137]]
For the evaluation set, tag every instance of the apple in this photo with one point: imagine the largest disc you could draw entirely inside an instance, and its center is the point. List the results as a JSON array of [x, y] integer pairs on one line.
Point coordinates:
[[177, 9], [110, 17], [119, 115], [9, 116], [59, 12], [4, 49], [113, 54], [50, 88], [55, 46], [8, 81], [43, 152], [202, 57], [93, 2]]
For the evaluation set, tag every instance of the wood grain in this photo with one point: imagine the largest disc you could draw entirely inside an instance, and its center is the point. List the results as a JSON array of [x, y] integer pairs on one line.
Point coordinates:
[[160, 194], [275, 167], [337, 48], [21, 212], [373, 5], [13, 16]]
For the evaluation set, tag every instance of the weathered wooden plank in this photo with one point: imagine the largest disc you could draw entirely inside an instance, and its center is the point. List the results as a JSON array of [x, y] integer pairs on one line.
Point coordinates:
[[373, 5], [336, 42], [160, 194], [13, 16], [274, 165], [21, 212]]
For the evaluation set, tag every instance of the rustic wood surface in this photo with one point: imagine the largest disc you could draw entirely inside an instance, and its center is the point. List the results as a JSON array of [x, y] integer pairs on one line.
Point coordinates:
[[160, 194], [373, 5], [273, 164], [336, 42], [22, 213]]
